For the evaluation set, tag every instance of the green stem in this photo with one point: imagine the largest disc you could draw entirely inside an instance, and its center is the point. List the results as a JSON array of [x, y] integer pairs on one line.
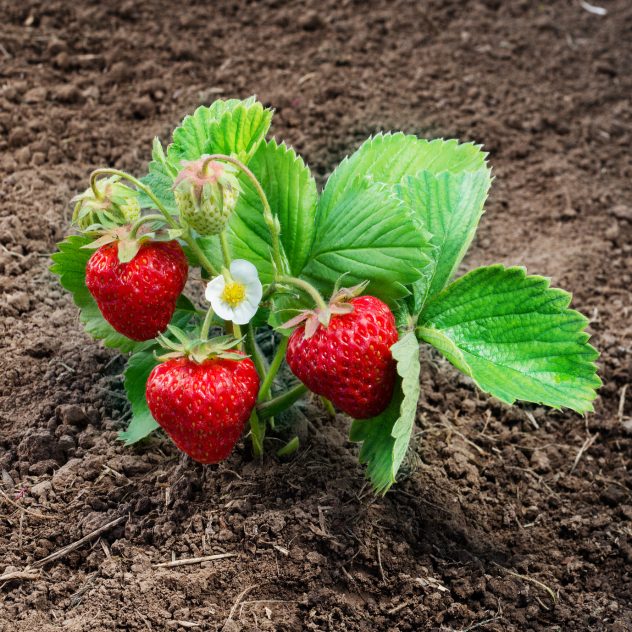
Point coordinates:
[[223, 240], [206, 264], [306, 287], [289, 448], [143, 220], [138, 184], [268, 216], [270, 290], [206, 325], [273, 370], [281, 402], [254, 352], [329, 407], [199, 253], [257, 434]]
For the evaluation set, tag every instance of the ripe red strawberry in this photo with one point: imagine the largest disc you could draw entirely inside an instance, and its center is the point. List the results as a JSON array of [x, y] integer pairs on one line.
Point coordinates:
[[349, 361], [138, 298], [203, 407]]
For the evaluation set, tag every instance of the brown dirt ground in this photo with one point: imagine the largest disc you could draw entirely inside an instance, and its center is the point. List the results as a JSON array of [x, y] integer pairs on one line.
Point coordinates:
[[498, 503]]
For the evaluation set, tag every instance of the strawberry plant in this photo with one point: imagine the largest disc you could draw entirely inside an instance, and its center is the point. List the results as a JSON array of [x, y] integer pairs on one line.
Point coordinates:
[[347, 283]]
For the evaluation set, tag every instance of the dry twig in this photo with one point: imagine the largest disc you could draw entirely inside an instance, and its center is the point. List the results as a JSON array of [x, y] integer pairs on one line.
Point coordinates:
[[241, 595], [590, 439], [194, 560], [30, 512], [27, 573], [535, 582], [622, 403], [75, 545]]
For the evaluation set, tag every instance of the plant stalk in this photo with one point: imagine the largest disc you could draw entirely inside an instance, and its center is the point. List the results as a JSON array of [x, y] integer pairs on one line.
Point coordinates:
[[257, 434], [138, 184], [255, 352], [306, 287], [268, 216], [281, 402], [143, 220], [206, 325], [223, 240], [264, 391]]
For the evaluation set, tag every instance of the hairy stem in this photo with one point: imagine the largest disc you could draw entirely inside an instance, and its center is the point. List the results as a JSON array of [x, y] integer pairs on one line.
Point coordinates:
[[281, 402], [206, 325], [223, 241], [306, 287], [254, 351], [264, 391], [199, 253], [268, 216], [257, 434], [138, 184], [143, 220]]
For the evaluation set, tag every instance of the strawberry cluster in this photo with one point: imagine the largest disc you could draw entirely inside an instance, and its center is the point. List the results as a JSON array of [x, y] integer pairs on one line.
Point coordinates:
[[204, 403]]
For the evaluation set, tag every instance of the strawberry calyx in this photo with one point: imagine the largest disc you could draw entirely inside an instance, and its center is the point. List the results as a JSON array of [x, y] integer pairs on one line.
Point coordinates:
[[339, 304], [197, 349], [131, 237]]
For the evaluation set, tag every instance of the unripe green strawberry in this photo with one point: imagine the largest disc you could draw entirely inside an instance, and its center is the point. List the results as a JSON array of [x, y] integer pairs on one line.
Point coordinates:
[[349, 361], [206, 193], [116, 205], [203, 406]]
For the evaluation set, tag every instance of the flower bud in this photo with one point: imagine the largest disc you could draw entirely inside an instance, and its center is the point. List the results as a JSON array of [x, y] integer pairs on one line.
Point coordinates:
[[206, 194], [116, 205]]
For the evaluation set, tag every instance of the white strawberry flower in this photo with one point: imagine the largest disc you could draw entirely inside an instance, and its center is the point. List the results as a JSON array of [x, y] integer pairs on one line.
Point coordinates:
[[236, 299]]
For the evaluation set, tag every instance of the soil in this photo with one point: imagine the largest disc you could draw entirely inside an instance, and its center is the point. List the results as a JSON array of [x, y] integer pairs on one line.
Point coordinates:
[[506, 518]]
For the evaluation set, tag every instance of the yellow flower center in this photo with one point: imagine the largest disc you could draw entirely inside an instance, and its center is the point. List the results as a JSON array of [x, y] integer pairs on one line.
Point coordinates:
[[234, 293]]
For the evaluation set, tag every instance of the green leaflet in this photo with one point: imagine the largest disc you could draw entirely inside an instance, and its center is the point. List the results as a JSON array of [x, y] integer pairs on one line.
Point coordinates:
[[370, 235], [226, 127], [70, 265], [515, 336], [142, 424], [448, 205], [160, 180], [389, 158], [385, 437], [291, 192], [231, 127]]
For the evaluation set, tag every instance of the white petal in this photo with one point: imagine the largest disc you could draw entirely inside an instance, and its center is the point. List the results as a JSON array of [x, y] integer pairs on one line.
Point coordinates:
[[243, 313], [254, 292], [243, 271], [214, 289], [223, 309]]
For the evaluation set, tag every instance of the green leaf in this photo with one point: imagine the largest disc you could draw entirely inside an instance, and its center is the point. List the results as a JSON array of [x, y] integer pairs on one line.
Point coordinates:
[[385, 437], [160, 180], [448, 205], [389, 158], [226, 127], [515, 336], [371, 235], [291, 192], [138, 369], [70, 265], [240, 131]]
